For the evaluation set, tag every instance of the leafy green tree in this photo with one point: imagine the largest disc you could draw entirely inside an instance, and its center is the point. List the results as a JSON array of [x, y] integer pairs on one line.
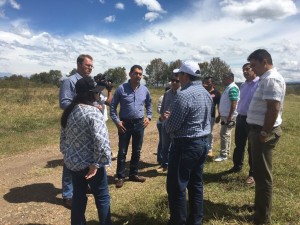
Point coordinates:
[[52, 77], [157, 72], [173, 65], [215, 68], [117, 75], [72, 72]]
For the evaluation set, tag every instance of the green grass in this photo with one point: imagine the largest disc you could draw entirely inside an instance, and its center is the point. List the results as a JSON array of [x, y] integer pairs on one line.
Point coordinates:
[[29, 119]]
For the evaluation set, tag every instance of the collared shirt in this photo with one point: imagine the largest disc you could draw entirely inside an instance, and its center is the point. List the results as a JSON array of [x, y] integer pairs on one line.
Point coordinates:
[[132, 102], [191, 112], [247, 90], [271, 87], [168, 100], [67, 90], [85, 139]]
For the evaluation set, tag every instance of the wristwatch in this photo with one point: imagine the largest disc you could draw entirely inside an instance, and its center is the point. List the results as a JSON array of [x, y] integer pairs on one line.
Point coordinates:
[[264, 133]]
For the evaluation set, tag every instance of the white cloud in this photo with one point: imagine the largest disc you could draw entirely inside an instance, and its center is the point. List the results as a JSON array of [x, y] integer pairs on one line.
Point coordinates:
[[14, 4], [120, 5], [110, 19], [252, 10], [201, 38], [102, 1], [152, 5], [151, 16], [20, 27]]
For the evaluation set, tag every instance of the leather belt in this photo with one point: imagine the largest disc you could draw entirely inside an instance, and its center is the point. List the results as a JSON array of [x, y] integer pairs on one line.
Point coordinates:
[[190, 139]]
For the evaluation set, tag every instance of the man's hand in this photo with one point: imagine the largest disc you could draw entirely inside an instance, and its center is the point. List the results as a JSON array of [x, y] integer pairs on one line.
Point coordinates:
[[146, 122], [165, 116], [121, 127], [99, 107], [92, 172]]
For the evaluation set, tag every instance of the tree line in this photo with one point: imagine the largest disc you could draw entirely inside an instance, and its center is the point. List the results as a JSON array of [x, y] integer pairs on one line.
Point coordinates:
[[157, 73]]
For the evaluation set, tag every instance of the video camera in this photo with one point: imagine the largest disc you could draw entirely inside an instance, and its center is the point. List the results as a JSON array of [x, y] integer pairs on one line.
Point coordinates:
[[101, 80]]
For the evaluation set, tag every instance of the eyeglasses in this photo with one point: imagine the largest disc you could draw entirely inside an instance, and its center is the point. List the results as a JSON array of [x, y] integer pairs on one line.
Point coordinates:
[[174, 80]]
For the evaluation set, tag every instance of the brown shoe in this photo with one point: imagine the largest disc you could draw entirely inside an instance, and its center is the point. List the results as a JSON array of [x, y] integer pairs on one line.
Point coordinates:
[[119, 183], [162, 169], [210, 154], [67, 202], [136, 178]]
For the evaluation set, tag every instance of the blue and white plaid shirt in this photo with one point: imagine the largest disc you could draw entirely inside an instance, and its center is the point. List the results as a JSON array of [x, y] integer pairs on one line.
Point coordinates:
[[191, 112]]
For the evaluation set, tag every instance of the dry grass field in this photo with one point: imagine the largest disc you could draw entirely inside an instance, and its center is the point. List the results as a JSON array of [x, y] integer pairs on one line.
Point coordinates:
[[30, 170]]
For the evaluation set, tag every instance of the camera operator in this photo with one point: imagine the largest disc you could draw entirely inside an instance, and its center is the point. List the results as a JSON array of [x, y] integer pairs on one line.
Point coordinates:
[[104, 100]]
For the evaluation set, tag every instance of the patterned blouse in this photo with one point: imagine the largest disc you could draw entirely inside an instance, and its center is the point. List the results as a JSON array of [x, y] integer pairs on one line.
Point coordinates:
[[85, 139]]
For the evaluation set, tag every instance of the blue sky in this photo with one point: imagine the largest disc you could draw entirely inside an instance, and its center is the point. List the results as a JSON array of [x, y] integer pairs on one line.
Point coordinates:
[[40, 35]]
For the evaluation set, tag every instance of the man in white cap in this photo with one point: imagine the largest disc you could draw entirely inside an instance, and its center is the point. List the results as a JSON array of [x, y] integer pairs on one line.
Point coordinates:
[[189, 124]]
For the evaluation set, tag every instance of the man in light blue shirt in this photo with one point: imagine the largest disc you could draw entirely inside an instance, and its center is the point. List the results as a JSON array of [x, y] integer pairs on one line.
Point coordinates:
[[132, 97], [66, 96]]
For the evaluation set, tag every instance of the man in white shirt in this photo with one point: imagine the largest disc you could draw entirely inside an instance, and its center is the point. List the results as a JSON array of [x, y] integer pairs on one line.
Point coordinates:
[[264, 119]]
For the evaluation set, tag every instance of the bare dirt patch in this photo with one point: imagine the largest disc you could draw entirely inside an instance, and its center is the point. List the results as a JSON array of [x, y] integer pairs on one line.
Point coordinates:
[[31, 182]]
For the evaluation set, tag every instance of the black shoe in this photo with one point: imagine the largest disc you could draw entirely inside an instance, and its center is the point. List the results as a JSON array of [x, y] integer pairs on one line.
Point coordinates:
[[119, 183], [67, 202], [136, 178], [234, 170]]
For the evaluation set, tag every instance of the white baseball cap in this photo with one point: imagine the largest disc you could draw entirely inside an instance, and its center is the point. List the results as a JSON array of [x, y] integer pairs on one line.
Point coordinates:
[[176, 71], [190, 67]]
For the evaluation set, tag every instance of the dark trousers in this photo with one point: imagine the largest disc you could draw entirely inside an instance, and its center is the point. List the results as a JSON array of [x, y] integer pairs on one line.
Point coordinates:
[[262, 172], [136, 131], [185, 171], [99, 188], [159, 146], [166, 143], [241, 137]]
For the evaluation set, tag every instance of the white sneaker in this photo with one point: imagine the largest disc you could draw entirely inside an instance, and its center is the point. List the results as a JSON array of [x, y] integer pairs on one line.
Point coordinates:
[[220, 159]]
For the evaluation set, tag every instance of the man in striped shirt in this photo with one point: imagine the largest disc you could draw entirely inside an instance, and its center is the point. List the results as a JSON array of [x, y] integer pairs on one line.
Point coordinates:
[[189, 124], [264, 119]]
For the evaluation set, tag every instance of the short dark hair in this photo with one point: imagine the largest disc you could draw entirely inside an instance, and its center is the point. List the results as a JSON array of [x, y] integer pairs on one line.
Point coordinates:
[[193, 78], [229, 75], [246, 64], [260, 55], [209, 77], [81, 58], [135, 67]]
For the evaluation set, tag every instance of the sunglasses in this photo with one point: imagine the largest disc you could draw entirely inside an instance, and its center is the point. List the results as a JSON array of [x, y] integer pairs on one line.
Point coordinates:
[[174, 80]]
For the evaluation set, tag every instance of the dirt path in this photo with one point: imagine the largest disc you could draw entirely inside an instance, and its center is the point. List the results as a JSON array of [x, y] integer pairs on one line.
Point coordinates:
[[31, 183]]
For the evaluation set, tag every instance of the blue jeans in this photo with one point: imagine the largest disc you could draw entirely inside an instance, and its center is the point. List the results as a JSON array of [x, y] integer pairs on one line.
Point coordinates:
[[136, 131], [166, 144], [241, 137], [99, 188], [159, 146], [186, 160], [67, 186]]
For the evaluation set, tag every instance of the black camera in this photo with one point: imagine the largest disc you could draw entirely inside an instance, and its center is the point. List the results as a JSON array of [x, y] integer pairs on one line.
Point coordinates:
[[101, 80]]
